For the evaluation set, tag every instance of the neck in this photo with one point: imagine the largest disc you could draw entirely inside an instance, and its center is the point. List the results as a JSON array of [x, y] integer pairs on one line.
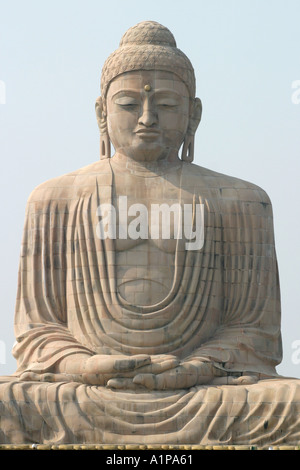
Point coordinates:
[[142, 165]]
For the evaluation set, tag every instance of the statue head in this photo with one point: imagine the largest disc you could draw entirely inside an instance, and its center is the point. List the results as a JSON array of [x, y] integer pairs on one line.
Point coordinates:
[[148, 68]]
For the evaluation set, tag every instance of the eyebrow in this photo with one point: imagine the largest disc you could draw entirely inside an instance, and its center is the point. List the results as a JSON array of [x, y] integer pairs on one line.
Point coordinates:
[[159, 91]]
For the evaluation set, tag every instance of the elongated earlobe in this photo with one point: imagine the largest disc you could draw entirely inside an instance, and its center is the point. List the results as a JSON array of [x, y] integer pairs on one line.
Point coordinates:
[[105, 146], [187, 154]]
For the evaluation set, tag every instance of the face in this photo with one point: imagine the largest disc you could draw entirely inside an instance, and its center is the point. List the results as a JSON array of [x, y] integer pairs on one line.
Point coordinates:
[[147, 114]]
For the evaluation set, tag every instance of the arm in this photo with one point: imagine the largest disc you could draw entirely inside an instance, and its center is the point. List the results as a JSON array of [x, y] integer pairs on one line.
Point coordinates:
[[42, 336], [249, 338]]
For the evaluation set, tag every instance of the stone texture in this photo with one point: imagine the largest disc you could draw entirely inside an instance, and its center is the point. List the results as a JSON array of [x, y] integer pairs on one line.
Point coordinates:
[[138, 325]]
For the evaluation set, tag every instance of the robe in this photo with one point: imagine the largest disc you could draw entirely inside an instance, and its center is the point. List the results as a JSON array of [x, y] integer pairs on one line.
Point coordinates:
[[223, 306]]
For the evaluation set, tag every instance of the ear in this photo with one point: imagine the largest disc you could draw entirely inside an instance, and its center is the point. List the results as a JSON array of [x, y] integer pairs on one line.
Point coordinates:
[[195, 117], [187, 154], [99, 112], [105, 148]]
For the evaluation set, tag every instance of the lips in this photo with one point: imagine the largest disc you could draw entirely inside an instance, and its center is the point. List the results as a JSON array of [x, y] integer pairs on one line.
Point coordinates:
[[147, 133]]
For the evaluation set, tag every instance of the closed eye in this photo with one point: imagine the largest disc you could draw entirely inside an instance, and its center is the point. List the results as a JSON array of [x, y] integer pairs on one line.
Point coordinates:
[[167, 103], [126, 101]]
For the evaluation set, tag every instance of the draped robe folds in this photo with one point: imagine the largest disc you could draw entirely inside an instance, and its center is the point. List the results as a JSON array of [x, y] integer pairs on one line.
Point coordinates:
[[223, 306]]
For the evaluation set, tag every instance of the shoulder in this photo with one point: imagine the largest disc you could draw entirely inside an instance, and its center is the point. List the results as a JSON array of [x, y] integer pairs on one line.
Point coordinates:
[[228, 188], [69, 185]]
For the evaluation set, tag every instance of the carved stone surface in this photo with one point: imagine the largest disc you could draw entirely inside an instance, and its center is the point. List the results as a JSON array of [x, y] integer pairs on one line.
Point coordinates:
[[148, 306]]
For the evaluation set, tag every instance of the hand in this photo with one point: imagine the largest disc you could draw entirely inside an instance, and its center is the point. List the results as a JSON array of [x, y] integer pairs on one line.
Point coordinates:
[[183, 375], [158, 365], [99, 369], [159, 372], [93, 370]]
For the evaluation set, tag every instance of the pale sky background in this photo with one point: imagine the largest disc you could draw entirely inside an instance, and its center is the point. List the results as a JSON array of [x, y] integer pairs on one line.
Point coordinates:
[[246, 58]]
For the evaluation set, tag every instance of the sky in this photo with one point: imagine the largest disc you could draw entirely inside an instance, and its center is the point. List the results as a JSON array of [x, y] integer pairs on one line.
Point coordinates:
[[246, 59]]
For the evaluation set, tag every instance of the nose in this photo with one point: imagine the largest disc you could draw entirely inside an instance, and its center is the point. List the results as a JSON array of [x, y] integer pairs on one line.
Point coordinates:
[[148, 114]]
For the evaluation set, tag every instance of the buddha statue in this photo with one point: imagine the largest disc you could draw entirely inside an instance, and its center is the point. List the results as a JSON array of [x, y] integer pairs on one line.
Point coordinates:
[[148, 305]]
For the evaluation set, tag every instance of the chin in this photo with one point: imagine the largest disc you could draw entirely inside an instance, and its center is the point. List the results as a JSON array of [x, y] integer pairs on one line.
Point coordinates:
[[147, 153]]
